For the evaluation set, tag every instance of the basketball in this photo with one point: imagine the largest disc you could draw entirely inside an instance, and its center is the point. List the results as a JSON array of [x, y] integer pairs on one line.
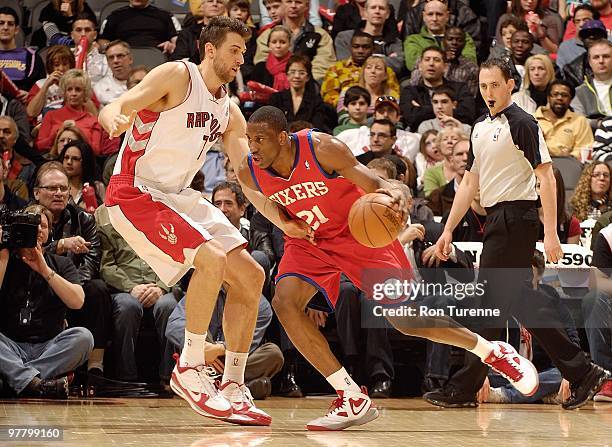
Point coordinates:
[[373, 221]]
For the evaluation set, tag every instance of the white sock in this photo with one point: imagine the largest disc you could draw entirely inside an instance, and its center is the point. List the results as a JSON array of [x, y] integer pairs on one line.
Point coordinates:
[[193, 349], [235, 362], [483, 347], [341, 380]]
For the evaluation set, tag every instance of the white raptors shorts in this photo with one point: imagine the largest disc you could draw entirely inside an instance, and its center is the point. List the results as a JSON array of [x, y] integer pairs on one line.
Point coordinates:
[[164, 229]]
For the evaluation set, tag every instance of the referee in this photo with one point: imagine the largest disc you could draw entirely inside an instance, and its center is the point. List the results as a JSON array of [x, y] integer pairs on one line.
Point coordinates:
[[507, 153]]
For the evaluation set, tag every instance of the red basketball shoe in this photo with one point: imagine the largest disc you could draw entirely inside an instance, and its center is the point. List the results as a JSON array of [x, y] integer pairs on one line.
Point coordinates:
[[244, 411], [519, 371], [196, 385], [351, 408]]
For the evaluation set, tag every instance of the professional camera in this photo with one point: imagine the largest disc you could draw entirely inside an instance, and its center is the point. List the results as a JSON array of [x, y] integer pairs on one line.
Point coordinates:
[[19, 229]]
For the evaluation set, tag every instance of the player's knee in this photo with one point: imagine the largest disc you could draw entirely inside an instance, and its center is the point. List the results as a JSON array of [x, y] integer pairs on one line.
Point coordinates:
[[284, 305], [210, 256]]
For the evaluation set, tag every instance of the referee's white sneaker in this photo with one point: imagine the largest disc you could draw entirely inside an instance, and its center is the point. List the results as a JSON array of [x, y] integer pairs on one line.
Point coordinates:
[[349, 409], [197, 386], [519, 371]]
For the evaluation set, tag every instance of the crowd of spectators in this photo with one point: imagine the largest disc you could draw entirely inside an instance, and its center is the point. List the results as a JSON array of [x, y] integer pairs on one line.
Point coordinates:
[[396, 80]]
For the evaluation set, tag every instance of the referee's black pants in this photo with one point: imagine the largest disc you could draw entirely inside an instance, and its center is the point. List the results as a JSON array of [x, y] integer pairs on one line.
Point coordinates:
[[511, 232]]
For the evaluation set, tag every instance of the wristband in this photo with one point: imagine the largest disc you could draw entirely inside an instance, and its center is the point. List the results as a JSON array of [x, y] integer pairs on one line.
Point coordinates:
[[51, 275]]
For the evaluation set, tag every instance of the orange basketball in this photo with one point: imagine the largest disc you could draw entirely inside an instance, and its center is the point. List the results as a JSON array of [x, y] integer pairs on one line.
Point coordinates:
[[373, 222]]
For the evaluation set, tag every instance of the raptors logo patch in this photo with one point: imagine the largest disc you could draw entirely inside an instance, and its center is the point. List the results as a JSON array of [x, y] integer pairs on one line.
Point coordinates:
[[169, 234]]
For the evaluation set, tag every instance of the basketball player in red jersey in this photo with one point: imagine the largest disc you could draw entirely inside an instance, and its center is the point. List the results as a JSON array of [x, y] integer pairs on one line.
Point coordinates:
[[314, 177], [172, 117]]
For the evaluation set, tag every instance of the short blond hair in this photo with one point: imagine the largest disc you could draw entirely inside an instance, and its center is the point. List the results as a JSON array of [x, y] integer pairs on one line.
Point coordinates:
[[74, 74]]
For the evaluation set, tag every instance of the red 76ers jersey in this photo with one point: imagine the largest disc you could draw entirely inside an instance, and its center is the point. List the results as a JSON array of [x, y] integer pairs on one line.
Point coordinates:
[[322, 200]]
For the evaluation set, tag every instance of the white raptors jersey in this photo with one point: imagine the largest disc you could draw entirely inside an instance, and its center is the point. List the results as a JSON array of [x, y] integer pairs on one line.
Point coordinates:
[[164, 150]]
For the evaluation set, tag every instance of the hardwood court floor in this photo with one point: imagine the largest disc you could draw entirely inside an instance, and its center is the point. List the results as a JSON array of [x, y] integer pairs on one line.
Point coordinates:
[[403, 422]]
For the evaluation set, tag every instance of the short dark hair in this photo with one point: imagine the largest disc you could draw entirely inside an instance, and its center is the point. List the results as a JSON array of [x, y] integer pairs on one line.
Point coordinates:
[[242, 4], [588, 8], [354, 93], [445, 90], [296, 126], [361, 33], [436, 49], [233, 187], [518, 23], [218, 28], [454, 28], [300, 59], [500, 63], [85, 16], [8, 11], [526, 31], [388, 123], [270, 115], [572, 89]]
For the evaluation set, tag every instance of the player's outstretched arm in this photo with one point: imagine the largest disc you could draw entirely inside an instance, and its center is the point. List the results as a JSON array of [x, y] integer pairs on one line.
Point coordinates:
[[162, 88]]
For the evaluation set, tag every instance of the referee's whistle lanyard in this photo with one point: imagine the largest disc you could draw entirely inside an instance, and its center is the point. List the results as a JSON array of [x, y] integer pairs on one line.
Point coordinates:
[[481, 226]]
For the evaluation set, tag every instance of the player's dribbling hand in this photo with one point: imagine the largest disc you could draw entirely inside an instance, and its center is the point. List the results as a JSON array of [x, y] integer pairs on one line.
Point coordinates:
[[443, 248], [400, 202], [552, 247], [121, 123]]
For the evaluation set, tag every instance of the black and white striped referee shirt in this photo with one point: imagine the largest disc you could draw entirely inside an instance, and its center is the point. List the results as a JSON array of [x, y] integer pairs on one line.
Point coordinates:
[[504, 151]]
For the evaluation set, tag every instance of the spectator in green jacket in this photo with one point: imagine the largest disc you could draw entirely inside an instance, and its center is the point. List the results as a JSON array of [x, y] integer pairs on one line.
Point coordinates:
[[435, 21]]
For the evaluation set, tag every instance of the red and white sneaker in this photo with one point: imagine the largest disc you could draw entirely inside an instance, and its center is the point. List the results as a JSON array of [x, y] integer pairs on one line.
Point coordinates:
[[519, 371], [351, 408], [197, 386], [605, 394], [244, 411]]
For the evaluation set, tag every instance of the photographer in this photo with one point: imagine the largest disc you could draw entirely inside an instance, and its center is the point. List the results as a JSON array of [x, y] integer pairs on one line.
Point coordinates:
[[37, 288], [74, 236]]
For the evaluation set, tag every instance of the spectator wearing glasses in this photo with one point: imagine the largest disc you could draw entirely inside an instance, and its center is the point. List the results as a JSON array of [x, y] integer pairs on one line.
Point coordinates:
[[592, 194], [114, 84], [74, 236], [301, 102], [565, 132]]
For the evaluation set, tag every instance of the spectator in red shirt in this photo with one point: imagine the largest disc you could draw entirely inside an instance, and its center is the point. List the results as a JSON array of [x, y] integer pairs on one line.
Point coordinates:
[[76, 88]]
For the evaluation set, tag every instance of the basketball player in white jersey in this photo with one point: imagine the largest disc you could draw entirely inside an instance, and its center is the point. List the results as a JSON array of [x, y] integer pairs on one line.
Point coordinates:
[[172, 117]]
